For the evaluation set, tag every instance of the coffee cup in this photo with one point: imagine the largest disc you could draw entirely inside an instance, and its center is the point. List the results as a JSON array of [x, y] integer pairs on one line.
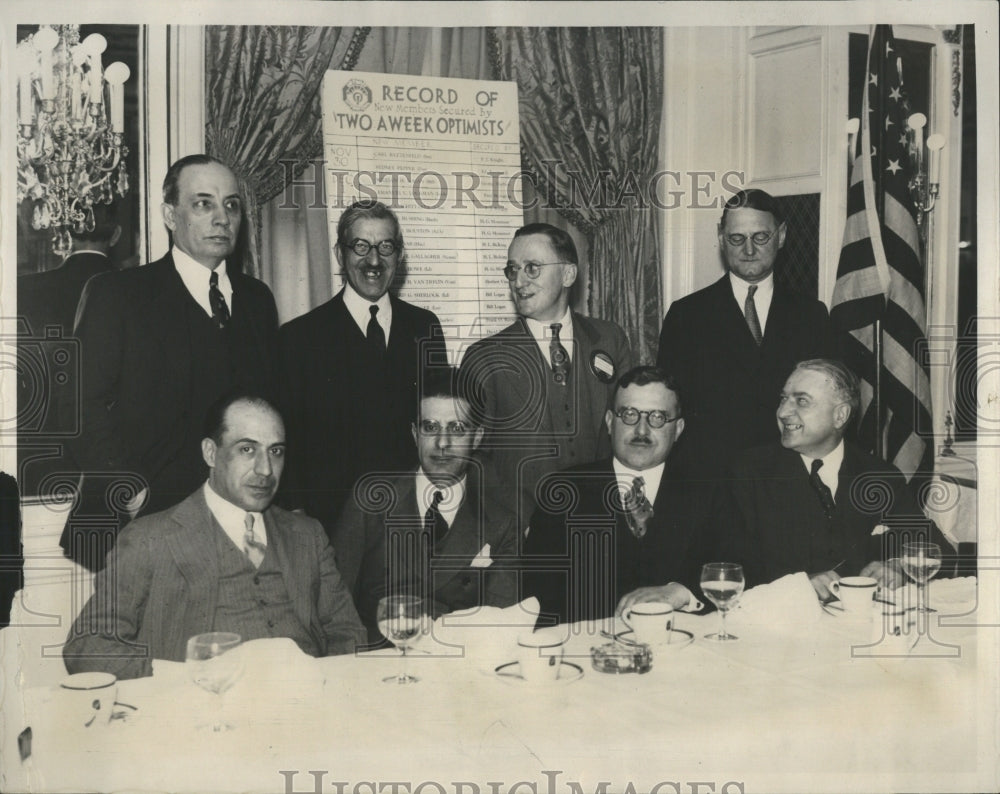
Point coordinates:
[[856, 593], [539, 655], [651, 621], [89, 698]]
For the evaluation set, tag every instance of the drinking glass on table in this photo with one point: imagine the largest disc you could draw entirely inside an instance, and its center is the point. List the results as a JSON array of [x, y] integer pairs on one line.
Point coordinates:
[[215, 663], [401, 619], [722, 583], [921, 562]]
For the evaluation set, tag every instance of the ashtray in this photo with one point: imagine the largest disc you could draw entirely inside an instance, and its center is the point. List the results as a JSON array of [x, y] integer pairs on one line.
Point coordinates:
[[615, 657]]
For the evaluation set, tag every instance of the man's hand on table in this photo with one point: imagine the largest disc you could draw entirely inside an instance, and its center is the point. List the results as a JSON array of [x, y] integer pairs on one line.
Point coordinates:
[[889, 575], [821, 584], [677, 595]]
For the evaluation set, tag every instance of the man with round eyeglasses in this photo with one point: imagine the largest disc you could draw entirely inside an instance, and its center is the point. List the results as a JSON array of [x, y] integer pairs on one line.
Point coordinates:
[[435, 532], [349, 370], [634, 527], [543, 383], [733, 343]]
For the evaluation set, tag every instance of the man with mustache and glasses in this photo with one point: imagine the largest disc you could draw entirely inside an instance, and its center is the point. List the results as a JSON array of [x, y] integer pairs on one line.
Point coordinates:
[[436, 532], [224, 559], [732, 344], [543, 383], [634, 527], [158, 345], [348, 385]]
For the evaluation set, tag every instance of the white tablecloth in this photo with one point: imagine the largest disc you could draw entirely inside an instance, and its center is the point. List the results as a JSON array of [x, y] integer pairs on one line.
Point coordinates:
[[806, 707]]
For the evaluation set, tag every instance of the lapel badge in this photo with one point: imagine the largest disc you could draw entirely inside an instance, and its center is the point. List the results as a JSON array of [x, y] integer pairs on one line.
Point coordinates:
[[602, 366]]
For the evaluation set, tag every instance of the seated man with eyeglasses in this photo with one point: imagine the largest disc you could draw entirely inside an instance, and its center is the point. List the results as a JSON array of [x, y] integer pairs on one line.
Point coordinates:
[[348, 385], [543, 383], [634, 527], [732, 344], [435, 532]]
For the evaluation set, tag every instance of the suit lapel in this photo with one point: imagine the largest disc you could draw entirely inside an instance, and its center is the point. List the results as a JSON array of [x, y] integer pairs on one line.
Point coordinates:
[[193, 548], [166, 319], [294, 564], [733, 324], [464, 539], [586, 337], [528, 357]]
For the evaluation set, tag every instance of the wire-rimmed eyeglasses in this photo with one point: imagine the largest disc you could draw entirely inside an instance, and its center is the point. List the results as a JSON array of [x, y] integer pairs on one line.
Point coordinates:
[[759, 238], [383, 248], [531, 269], [656, 419], [430, 427]]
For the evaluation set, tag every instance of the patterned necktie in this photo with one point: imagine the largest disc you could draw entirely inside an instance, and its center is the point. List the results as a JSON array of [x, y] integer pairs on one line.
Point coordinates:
[[558, 356], [753, 321], [434, 522], [252, 547], [638, 510], [376, 336], [825, 497], [220, 312]]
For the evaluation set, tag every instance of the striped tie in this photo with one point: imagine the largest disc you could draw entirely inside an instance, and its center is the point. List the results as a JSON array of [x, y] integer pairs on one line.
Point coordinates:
[[220, 312], [252, 547], [753, 321], [559, 356]]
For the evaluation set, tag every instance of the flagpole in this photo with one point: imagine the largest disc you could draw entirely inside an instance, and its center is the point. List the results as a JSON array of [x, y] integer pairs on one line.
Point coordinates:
[[877, 397], [879, 130]]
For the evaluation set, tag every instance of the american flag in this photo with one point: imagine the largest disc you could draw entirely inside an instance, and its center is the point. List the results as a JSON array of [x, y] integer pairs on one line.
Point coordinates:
[[880, 275]]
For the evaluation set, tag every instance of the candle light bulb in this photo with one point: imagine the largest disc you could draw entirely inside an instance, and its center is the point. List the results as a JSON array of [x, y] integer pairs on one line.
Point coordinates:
[[917, 121], [95, 44], [45, 41], [116, 75], [853, 125], [935, 143]]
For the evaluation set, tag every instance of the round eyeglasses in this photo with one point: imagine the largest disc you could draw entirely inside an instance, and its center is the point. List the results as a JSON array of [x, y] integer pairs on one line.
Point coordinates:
[[429, 427], [362, 247], [759, 238], [656, 419], [531, 269]]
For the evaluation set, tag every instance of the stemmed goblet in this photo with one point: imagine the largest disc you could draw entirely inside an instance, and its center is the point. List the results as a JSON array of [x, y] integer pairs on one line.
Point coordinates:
[[722, 583], [401, 619], [921, 562], [215, 663]]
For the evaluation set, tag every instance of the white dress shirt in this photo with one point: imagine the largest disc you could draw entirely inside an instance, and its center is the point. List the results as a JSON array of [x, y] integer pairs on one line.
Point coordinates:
[[232, 519], [451, 500], [829, 473], [543, 334], [195, 277], [761, 298], [360, 310]]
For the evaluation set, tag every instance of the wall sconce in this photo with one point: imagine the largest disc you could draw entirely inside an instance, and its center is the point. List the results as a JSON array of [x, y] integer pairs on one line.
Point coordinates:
[[926, 171], [71, 123]]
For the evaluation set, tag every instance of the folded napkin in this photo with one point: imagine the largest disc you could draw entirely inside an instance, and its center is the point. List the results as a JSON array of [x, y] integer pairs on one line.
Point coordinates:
[[487, 636], [788, 601]]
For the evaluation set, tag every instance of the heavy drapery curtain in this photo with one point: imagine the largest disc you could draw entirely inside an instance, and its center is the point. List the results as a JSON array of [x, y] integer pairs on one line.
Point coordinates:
[[590, 105], [262, 93], [297, 257]]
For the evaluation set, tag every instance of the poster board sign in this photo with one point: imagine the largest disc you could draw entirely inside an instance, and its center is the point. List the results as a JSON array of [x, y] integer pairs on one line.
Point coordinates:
[[444, 155]]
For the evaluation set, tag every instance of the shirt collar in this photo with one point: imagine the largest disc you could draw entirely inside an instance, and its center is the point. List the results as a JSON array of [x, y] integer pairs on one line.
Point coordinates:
[[232, 518], [651, 478], [831, 461], [765, 288], [196, 276], [542, 333], [360, 308], [453, 495]]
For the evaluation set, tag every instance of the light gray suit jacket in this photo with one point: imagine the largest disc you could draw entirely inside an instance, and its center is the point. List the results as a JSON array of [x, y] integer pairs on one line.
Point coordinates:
[[160, 587]]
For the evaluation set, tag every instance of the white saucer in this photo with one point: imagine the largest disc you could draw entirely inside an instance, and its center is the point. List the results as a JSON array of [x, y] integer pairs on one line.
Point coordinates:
[[510, 673], [678, 639]]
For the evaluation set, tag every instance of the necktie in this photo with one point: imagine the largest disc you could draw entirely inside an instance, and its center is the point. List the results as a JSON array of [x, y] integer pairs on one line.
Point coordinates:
[[638, 510], [376, 336], [433, 520], [558, 356], [825, 497], [220, 312], [252, 547], [750, 310]]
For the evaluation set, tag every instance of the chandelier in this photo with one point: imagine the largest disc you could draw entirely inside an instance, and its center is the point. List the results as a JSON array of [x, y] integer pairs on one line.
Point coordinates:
[[71, 122]]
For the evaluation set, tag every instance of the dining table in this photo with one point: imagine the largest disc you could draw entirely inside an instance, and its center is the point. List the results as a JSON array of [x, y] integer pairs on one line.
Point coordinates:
[[808, 698]]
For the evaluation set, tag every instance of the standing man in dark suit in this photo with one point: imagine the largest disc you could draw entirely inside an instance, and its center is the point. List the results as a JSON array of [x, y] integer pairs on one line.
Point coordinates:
[[542, 384], [224, 559], [818, 504], [46, 308], [349, 370], [436, 532], [159, 344], [634, 527], [732, 344]]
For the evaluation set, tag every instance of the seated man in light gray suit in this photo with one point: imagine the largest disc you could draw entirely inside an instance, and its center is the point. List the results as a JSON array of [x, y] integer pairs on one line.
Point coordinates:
[[224, 559]]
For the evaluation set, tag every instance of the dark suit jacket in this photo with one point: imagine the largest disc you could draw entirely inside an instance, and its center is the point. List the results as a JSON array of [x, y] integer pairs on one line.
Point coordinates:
[[730, 386], [509, 375], [361, 540], [345, 414], [581, 558], [161, 587], [784, 528], [49, 361], [136, 408]]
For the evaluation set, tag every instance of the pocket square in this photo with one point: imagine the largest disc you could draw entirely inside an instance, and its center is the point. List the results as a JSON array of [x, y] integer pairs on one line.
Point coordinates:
[[483, 559], [880, 529]]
